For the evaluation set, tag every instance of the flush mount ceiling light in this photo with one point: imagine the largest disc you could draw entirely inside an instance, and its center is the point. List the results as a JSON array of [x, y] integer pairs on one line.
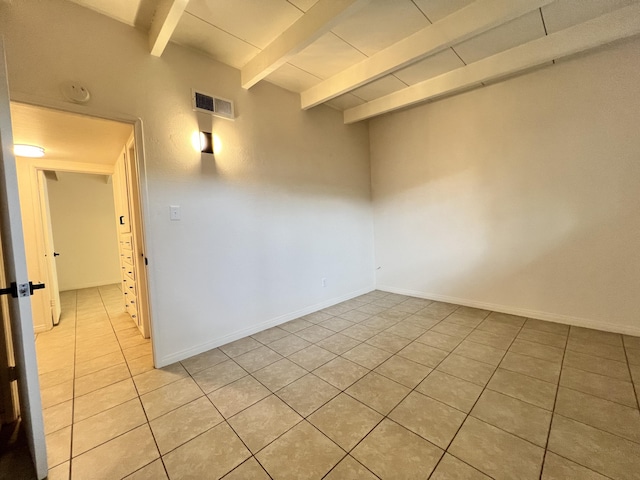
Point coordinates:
[[31, 151]]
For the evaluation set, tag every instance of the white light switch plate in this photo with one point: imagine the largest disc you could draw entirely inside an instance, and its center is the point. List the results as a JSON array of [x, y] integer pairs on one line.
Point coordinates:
[[174, 212]]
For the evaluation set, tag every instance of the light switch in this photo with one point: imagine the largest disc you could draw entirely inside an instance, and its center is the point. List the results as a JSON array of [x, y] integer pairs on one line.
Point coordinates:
[[174, 212]]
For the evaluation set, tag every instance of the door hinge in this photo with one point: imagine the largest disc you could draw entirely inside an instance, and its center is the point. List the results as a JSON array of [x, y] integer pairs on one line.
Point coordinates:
[[13, 374], [21, 290]]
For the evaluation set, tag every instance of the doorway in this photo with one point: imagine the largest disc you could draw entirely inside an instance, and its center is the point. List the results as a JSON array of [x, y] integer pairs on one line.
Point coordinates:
[[92, 323]]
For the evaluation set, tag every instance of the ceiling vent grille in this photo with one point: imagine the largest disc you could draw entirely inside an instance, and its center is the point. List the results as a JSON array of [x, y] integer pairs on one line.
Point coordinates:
[[219, 107]]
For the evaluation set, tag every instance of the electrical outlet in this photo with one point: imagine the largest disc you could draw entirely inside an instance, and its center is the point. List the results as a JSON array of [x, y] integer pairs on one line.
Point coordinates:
[[324, 282]]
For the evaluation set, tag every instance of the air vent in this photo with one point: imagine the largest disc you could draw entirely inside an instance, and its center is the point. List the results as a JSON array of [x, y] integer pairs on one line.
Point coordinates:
[[219, 107]]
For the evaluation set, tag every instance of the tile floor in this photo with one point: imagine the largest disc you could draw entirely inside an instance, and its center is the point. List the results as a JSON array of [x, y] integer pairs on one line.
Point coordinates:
[[381, 386]]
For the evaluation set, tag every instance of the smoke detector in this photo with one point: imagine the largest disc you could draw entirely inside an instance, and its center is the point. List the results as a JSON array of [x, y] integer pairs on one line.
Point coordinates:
[[75, 92]]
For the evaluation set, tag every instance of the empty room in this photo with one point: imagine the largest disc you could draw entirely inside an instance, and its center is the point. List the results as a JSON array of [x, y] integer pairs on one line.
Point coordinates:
[[359, 239]]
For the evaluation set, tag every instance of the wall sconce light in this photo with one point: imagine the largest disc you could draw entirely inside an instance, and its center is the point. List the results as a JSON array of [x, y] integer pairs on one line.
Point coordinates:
[[31, 151], [206, 142]]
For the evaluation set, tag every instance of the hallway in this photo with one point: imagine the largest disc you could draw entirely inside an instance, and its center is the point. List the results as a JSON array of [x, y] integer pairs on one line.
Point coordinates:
[[86, 364]]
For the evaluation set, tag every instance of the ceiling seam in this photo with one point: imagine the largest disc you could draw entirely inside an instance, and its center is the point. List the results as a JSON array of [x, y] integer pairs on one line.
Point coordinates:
[[222, 30]]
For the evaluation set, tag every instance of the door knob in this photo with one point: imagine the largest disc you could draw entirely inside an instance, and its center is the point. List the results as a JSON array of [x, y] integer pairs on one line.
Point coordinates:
[[56, 254]]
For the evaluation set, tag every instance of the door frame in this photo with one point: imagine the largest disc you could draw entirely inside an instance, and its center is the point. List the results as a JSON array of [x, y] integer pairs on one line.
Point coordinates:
[[140, 163]]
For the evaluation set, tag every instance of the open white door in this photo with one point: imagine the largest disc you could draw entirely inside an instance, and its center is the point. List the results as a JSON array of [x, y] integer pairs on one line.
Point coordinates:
[[15, 264], [52, 270]]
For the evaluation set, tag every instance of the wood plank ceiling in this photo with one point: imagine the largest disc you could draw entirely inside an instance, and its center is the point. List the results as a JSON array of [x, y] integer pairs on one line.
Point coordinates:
[[369, 57]]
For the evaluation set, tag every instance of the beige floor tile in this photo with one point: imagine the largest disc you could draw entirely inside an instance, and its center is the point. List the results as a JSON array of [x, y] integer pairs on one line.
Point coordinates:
[[611, 352], [56, 377], [354, 316], [432, 420], [85, 368], [471, 312], [184, 423], [450, 468], [452, 329], [106, 425], [238, 395], [499, 328], [210, 455], [451, 390], [537, 350], [312, 357], [603, 452], [463, 320], [371, 309], [480, 352], [307, 394], [544, 326], [389, 342], [360, 332], [218, 376], [204, 360], [153, 471], [590, 335], [60, 472], [403, 371], [104, 378], [270, 335], [296, 325], [133, 450], [249, 470], [423, 354], [367, 356], [544, 338], [421, 321], [302, 452], [159, 377], [608, 388], [393, 452], [599, 365], [103, 399], [378, 392], [336, 324], [440, 340], [496, 452], [394, 314], [57, 394], [378, 323], [406, 330], [140, 365], [633, 356], [289, 345], [514, 416], [58, 446], [257, 358], [558, 468], [350, 469], [314, 333], [279, 374], [525, 388], [491, 339], [345, 420], [631, 341], [533, 367], [164, 399], [338, 343], [58, 416], [603, 414], [467, 369], [263, 422], [237, 348], [340, 373]]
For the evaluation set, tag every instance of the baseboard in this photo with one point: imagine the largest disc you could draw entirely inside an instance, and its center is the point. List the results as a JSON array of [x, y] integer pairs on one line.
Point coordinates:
[[274, 322], [523, 312]]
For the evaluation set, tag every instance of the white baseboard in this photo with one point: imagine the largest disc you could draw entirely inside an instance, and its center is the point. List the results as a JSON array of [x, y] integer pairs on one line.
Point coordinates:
[[523, 312], [274, 322]]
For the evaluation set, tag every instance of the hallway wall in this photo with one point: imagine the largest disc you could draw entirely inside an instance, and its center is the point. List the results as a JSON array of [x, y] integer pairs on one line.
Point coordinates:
[[84, 230]]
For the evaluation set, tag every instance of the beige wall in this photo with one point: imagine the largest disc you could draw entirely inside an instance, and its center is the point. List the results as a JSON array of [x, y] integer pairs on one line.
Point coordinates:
[[84, 230], [285, 203], [523, 196]]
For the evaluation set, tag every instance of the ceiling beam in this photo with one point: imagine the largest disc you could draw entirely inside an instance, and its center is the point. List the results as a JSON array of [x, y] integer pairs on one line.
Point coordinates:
[[164, 23], [317, 21], [478, 17], [617, 25]]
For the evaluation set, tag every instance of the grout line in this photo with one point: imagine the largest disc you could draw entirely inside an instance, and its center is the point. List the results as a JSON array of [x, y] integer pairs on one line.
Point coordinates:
[[636, 389]]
